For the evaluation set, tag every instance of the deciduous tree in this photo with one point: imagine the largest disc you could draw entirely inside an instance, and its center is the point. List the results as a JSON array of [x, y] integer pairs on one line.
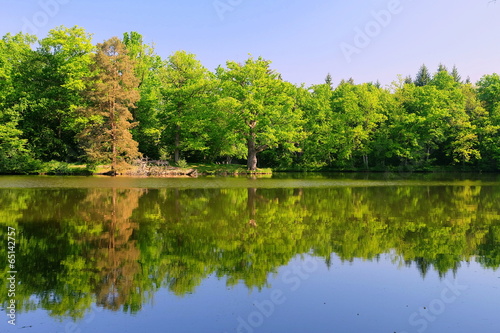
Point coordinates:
[[15, 155], [186, 92], [49, 86], [148, 69], [261, 107]]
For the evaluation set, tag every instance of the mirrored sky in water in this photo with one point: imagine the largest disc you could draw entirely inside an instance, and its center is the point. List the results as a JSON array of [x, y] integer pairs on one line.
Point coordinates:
[[362, 296]]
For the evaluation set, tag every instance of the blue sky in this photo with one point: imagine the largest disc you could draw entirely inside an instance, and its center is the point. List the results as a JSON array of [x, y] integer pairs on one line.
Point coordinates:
[[305, 40]]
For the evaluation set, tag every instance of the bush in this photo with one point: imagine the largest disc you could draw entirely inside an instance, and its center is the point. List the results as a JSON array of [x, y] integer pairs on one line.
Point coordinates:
[[182, 164], [62, 168]]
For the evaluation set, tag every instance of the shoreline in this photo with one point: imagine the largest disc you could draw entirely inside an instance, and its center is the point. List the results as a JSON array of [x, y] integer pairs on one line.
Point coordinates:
[[195, 170]]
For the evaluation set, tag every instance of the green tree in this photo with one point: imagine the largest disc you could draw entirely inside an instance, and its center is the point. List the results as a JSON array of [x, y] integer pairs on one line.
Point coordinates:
[[320, 146], [112, 93], [360, 111], [423, 76], [488, 92], [14, 50], [418, 125], [225, 143], [186, 92], [461, 142], [442, 68], [261, 107], [329, 81], [433, 124], [15, 155], [148, 69], [444, 81], [49, 86], [456, 75]]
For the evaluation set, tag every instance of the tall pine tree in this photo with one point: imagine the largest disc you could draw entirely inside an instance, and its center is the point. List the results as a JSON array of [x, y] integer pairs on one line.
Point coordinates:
[[423, 77], [456, 76], [329, 81], [113, 93]]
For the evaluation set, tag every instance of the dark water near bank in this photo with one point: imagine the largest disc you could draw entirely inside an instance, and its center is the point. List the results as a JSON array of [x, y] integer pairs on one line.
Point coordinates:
[[288, 253]]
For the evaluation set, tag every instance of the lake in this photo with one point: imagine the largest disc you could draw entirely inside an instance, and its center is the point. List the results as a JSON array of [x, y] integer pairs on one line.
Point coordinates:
[[284, 253]]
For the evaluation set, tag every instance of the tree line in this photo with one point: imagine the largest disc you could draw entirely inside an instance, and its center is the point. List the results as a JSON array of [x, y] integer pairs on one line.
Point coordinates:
[[62, 98]]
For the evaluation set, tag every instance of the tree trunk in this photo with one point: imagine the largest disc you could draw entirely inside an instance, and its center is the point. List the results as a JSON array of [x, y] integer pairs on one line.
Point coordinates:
[[113, 139], [252, 154], [176, 155], [252, 197], [365, 161], [177, 144]]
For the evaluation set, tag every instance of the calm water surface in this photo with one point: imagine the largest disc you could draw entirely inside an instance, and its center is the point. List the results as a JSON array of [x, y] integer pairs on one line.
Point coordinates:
[[288, 253]]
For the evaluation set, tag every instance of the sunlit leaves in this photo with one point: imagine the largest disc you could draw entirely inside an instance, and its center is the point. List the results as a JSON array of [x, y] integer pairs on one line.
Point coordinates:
[[187, 113], [263, 112]]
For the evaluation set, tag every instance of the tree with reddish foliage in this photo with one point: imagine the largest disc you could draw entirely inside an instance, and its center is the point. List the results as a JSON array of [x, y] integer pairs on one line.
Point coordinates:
[[113, 92]]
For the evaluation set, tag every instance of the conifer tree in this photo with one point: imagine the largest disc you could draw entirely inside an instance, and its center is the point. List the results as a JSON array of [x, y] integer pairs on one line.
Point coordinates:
[[442, 68], [329, 81], [113, 93], [423, 77], [456, 75]]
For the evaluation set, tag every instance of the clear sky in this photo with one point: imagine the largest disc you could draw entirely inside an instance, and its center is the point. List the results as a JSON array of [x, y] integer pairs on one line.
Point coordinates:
[[363, 39]]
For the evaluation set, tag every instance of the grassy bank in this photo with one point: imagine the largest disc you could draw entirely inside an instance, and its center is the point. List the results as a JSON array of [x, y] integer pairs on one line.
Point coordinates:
[[61, 168], [228, 169]]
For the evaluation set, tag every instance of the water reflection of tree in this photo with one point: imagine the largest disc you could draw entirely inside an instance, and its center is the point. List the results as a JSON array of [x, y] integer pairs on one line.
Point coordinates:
[[431, 228], [116, 247], [78, 247], [115, 252]]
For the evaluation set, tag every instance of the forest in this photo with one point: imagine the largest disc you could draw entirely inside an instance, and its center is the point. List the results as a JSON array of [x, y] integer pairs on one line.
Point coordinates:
[[65, 100]]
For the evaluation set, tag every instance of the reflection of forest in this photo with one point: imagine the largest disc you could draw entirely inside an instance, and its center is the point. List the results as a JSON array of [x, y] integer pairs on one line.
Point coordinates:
[[116, 247]]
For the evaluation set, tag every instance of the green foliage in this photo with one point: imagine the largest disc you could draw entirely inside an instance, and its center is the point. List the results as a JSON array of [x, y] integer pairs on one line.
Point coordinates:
[[319, 146], [489, 93], [15, 153], [178, 109], [456, 76], [48, 90], [186, 111], [261, 108], [15, 156], [182, 164], [63, 168], [149, 68], [359, 109], [423, 76], [228, 169]]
